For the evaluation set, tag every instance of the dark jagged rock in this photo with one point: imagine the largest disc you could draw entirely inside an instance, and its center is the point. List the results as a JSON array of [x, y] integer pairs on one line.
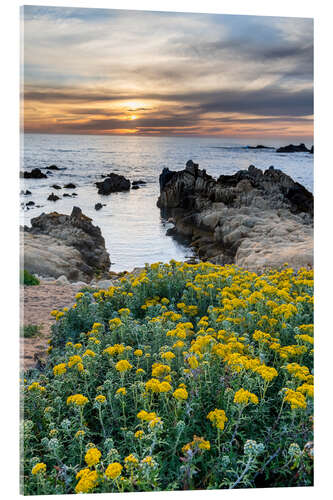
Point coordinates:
[[30, 203], [135, 186], [259, 146], [311, 150], [35, 173], [56, 186], [113, 183], [26, 192], [53, 197], [70, 185], [291, 148], [67, 195], [252, 218], [98, 206], [53, 167], [58, 244], [74, 194]]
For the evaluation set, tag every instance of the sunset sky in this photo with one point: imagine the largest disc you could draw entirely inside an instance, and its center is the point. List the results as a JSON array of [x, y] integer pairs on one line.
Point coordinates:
[[96, 71]]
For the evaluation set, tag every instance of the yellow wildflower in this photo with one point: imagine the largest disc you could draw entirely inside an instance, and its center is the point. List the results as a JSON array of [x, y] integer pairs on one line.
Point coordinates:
[[113, 470]]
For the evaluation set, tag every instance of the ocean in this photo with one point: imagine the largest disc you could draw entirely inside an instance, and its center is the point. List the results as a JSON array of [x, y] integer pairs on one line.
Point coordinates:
[[131, 223]]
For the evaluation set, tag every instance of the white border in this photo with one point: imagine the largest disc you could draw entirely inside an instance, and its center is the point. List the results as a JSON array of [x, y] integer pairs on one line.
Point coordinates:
[[9, 123]]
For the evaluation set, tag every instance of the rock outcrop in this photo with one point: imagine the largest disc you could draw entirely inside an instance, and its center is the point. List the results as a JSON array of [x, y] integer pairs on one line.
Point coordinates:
[[53, 197], [35, 173], [253, 218], [113, 183], [69, 245], [294, 149]]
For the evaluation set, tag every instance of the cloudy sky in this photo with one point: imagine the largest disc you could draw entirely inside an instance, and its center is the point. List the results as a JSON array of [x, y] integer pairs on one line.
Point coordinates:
[[96, 71]]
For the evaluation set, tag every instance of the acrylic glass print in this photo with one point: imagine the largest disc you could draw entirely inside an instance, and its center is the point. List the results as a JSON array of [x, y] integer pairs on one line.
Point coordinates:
[[167, 251]]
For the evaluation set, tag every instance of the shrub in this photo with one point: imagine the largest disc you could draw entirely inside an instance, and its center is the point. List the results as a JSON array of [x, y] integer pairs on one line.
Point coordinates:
[[28, 279], [186, 377], [28, 331]]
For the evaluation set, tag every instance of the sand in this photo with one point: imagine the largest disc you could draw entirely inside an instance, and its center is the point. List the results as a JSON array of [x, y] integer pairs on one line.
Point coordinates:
[[37, 302]]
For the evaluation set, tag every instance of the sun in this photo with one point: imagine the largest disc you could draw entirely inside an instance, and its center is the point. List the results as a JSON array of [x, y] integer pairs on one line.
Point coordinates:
[[133, 117]]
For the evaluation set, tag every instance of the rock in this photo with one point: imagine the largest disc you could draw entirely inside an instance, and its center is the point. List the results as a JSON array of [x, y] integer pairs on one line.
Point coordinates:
[[259, 146], [56, 186], [53, 197], [53, 167], [165, 177], [104, 284], [79, 284], [74, 194], [67, 195], [136, 183], [311, 150], [62, 280], [293, 149], [34, 174], [98, 206], [71, 245], [27, 192], [135, 187], [30, 203], [252, 218], [113, 183], [70, 185]]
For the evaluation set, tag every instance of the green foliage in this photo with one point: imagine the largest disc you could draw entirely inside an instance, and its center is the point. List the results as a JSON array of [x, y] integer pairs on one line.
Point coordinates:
[[28, 279], [29, 331], [188, 377]]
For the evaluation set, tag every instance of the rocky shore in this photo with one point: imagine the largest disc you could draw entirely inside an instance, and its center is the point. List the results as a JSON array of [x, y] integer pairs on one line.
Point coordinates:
[[69, 245], [254, 219]]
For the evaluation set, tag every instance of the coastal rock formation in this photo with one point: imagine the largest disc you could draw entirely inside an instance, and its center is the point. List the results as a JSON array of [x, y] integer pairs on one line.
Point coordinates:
[[35, 173], [294, 149], [70, 186], [253, 218], [69, 245], [113, 183], [53, 197]]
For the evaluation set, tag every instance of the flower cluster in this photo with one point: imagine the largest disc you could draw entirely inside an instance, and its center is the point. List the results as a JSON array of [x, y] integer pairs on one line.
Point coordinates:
[[172, 379]]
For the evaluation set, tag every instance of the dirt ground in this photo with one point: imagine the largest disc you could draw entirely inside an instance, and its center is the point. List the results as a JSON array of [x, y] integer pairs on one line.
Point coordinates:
[[36, 304]]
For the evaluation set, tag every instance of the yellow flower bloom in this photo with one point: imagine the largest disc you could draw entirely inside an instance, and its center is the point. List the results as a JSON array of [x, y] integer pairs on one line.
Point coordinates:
[[123, 366], [59, 369], [35, 386], [38, 468], [90, 353], [100, 398], [245, 397], [92, 456], [180, 394], [168, 355], [218, 418], [139, 434], [87, 480], [121, 390], [295, 398], [131, 461], [77, 399], [138, 353], [113, 470]]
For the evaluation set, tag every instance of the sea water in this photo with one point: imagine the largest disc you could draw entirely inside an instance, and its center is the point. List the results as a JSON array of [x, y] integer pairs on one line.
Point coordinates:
[[131, 223]]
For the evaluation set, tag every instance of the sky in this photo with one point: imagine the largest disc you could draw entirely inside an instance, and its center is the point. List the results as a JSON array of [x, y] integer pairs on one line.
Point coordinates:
[[97, 71]]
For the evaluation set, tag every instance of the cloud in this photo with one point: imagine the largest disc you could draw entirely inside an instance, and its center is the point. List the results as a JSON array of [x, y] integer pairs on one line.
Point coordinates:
[[187, 71]]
